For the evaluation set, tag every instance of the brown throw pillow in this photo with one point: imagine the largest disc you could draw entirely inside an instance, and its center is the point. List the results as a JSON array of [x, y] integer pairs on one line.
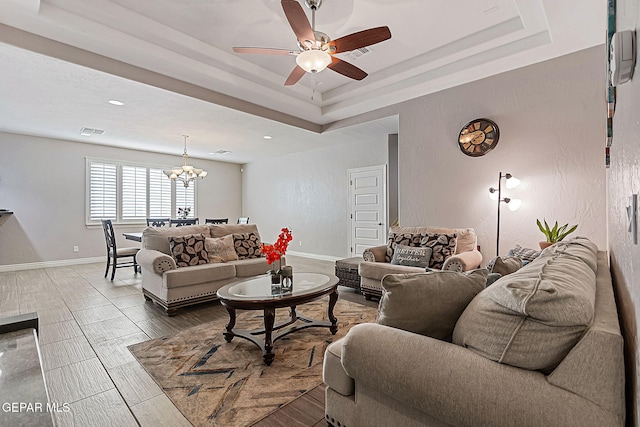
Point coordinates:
[[506, 265], [428, 303], [188, 250], [247, 245], [220, 249]]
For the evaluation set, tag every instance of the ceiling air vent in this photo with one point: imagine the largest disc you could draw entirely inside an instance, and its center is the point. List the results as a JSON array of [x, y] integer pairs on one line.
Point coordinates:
[[357, 53], [222, 152], [90, 131]]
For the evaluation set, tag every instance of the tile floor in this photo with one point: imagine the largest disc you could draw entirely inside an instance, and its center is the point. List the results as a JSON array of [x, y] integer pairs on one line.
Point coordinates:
[[86, 324]]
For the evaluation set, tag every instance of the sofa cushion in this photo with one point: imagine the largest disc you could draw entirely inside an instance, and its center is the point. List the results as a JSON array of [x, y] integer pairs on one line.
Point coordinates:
[[442, 245], [428, 303], [411, 256], [220, 249], [157, 238], [247, 245], [251, 267], [220, 230], [533, 317], [504, 265], [188, 250], [377, 270], [196, 275]]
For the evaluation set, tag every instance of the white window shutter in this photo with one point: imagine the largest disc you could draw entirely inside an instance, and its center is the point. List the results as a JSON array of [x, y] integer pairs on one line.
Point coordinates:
[[102, 191]]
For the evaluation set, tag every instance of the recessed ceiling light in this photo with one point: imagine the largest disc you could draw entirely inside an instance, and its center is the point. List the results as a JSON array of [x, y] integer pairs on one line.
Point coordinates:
[[266, 137], [115, 102]]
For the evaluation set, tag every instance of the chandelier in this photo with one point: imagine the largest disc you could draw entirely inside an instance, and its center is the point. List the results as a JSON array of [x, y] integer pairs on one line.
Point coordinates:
[[185, 173]]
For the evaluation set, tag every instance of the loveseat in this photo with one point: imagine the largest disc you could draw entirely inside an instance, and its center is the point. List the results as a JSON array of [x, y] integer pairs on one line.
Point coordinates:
[[539, 347], [178, 278], [458, 253]]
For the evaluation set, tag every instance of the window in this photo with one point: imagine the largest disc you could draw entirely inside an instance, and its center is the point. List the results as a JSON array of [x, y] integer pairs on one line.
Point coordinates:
[[102, 182], [185, 197], [130, 193]]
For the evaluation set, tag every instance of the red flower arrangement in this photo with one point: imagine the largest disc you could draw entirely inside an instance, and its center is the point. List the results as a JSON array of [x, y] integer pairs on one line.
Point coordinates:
[[279, 248]]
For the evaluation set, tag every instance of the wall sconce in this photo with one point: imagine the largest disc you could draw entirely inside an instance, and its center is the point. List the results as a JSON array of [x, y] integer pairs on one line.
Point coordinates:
[[513, 204]]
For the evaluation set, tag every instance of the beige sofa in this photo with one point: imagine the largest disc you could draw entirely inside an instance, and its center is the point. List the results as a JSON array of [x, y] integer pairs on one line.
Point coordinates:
[[173, 287], [376, 260], [381, 376]]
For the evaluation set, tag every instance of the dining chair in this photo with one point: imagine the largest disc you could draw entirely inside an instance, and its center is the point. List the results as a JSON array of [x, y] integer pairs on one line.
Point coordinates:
[[114, 253], [185, 221], [158, 222], [243, 220], [216, 221]]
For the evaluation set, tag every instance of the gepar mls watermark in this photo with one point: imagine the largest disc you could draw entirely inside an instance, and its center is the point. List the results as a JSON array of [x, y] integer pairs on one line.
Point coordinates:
[[26, 407]]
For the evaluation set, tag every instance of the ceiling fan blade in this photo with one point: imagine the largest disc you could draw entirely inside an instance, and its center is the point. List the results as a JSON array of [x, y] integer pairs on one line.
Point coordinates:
[[361, 39], [346, 69], [263, 51], [298, 21], [295, 75]]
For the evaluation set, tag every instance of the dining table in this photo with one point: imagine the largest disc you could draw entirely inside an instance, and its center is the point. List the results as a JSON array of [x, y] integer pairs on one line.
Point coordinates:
[[137, 236]]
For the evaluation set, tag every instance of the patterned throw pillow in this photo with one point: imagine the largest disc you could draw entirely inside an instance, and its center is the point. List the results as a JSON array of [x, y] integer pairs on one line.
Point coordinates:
[[220, 249], [525, 254], [247, 245], [188, 250], [411, 256], [442, 245]]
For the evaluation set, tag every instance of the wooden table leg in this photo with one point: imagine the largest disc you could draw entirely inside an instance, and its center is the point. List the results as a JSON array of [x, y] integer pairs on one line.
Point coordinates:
[[269, 319], [333, 298], [228, 335]]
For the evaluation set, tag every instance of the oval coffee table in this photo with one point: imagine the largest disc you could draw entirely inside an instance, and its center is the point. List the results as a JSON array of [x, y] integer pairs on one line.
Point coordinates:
[[256, 294]]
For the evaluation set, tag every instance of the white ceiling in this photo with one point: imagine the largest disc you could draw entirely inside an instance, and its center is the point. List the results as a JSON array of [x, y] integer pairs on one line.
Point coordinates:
[[171, 63]]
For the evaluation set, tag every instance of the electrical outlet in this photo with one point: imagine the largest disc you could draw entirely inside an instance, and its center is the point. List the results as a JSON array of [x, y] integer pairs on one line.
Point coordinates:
[[76, 249]]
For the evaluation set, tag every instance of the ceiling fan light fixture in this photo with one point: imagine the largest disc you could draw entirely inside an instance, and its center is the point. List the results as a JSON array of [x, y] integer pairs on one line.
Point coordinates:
[[313, 60]]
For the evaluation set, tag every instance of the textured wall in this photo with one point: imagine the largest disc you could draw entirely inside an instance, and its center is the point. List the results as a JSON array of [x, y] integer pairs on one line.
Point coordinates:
[[308, 192], [551, 138], [623, 181], [49, 201]]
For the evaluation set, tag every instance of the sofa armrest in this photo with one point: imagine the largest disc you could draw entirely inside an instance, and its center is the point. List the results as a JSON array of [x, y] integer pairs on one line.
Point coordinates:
[[464, 261], [156, 261], [458, 386], [375, 254]]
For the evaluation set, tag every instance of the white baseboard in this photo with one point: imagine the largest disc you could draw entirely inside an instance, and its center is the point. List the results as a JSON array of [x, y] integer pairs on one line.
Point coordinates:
[[314, 256], [45, 264]]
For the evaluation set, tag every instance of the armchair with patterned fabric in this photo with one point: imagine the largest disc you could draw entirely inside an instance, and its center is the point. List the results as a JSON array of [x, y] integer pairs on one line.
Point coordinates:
[[412, 249]]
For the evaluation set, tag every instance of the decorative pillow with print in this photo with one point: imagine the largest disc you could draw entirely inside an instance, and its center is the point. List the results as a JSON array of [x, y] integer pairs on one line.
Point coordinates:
[[188, 250], [442, 245], [411, 256], [247, 245], [525, 254]]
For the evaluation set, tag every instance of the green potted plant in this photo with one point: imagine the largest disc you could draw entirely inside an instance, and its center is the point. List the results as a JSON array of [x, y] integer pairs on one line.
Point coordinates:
[[554, 234]]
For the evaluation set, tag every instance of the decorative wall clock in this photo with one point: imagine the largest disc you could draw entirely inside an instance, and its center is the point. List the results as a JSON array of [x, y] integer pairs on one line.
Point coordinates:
[[478, 137]]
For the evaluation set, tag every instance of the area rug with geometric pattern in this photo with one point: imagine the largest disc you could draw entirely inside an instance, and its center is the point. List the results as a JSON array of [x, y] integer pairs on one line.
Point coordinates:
[[215, 383]]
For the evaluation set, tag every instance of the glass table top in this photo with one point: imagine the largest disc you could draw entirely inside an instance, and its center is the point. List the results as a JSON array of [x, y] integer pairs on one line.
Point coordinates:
[[261, 287]]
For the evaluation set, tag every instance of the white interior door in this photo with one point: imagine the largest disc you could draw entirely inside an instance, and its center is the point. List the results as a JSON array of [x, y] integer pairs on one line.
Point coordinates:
[[368, 202]]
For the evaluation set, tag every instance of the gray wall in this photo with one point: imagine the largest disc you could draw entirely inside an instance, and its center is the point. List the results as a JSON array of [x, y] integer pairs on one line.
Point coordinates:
[[43, 181], [551, 138], [623, 181], [308, 192]]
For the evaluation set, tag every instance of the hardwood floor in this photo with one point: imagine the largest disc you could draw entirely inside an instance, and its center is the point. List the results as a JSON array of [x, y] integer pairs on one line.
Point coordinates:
[[86, 324]]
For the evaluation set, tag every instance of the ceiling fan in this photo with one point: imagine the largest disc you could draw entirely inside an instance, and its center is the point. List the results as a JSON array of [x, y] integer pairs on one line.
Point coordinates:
[[317, 50]]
